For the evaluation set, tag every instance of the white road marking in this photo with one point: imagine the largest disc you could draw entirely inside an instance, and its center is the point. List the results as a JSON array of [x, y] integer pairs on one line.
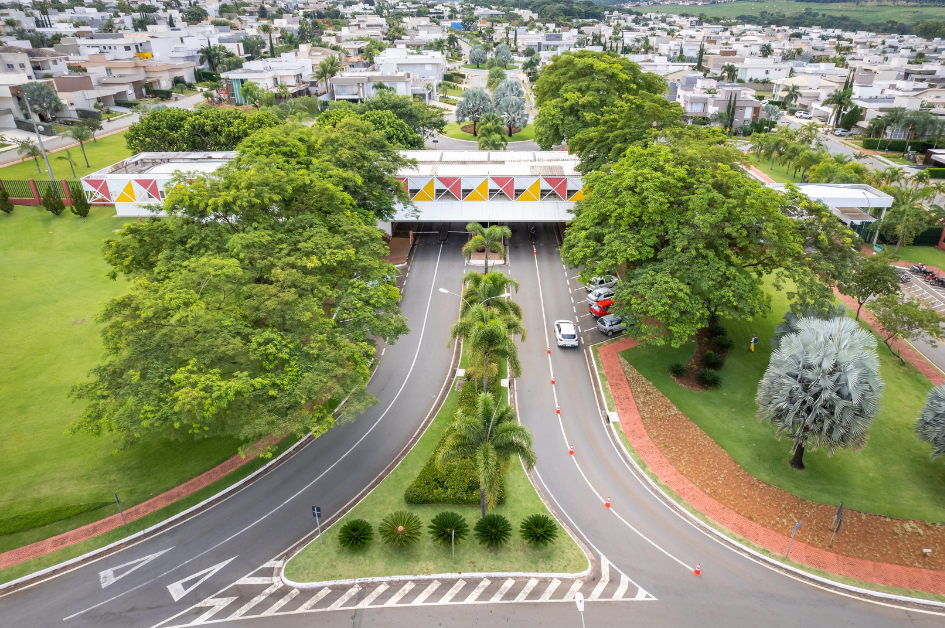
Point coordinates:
[[373, 595], [554, 584], [177, 589], [502, 590], [108, 577], [604, 580], [624, 585], [574, 589], [531, 584], [291, 595], [426, 593], [641, 594], [272, 564], [216, 605], [383, 350], [400, 594], [350, 593], [477, 591], [452, 592], [255, 580], [315, 599], [245, 608]]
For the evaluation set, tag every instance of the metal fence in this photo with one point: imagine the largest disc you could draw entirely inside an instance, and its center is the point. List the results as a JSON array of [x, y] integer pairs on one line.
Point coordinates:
[[21, 192], [43, 186], [929, 237]]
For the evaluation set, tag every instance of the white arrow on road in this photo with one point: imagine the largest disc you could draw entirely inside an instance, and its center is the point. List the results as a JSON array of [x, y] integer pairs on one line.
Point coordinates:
[[177, 589], [108, 576]]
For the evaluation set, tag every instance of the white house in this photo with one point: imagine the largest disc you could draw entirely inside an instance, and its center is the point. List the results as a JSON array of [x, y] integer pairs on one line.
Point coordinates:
[[288, 70]]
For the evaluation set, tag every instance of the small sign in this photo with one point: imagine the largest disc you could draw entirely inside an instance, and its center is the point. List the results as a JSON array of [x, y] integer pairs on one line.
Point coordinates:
[[316, 512], [878, 248], [579, 600]]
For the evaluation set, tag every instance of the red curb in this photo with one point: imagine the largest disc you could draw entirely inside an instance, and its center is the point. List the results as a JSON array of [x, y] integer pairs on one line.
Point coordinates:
[[865, 570], [86, 532], [758, 173]]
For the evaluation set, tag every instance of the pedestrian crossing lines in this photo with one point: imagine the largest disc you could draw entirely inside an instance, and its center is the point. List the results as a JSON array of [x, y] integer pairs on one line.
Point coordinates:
[[261, 594]]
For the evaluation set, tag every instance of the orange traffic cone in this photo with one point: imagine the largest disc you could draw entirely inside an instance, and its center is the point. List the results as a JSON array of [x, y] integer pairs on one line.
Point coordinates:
[[552, 380], [557, 409], [571, 450], [607, 503], [698, 569]]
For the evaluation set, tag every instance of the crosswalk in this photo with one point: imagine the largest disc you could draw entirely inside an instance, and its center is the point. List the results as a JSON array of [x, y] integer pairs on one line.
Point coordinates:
[[263, 594]]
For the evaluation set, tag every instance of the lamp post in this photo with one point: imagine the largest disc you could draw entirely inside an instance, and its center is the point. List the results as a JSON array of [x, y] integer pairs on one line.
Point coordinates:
[[498, 296], [39, 138]]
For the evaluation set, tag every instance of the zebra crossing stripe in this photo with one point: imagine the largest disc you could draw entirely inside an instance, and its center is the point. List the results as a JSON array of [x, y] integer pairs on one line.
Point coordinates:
[[291, 595], [502, 590], [315, 599], [216, 605], [245, 608], [453, 591], [641, 594], [624, 585], [477, 592], [574, 589], [554, 584], [373, 595], [531, 584], [344, 598], [404, 590], [604, 580], [426, 592]]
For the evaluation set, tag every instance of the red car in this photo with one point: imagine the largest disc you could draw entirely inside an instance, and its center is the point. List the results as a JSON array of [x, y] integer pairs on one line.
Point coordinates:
[[601, 308]]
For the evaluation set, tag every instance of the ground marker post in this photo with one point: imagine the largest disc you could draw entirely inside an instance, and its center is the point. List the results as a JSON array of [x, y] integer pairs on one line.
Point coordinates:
[[579, 600], [793, 532], [119, 511], [317, 513]]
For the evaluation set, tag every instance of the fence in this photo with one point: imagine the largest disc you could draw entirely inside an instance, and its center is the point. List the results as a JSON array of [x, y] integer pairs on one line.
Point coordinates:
[[929, 237], [31, 192]]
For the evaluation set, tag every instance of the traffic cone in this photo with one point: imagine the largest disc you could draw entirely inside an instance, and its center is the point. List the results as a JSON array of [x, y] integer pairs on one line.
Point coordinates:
[[549, 350], [698, 569], [558, 410], [607, 503], [571, 450], [552, 380]]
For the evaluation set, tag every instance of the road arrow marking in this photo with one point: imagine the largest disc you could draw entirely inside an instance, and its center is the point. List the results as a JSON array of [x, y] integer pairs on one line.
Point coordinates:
[[177, 589], [108, 576]]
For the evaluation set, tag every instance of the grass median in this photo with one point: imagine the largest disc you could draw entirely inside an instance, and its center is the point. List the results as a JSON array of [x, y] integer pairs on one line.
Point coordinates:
[[102, 152], [455, 131]]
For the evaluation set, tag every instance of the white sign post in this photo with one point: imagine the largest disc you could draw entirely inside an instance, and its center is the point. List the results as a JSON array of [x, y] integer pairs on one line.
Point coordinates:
[[579, 600]]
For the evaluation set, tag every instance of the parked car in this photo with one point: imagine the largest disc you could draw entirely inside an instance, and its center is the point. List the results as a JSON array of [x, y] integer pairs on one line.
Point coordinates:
[[599, 295], [610, 325], [803, 115], [607, 281], [566, 334], [841, 132], [601, 308]]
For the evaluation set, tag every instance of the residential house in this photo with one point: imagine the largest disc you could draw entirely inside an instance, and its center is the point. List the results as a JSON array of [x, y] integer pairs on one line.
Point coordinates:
[[35, 63], [290, 70]]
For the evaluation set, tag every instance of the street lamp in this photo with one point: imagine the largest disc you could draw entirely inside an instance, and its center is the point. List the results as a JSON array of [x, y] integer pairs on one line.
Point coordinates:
[[498, 296]]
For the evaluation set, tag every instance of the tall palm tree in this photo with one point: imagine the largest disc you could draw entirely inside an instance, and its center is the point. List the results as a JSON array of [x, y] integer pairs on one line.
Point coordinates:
[[81, 134], [492, 133], [895, 119], [729, 71], [757, 144], [488, 239], [29, 150], [282, 91], [327, 70], [492, 438], [792, 95], [908, 218], [488, 289], [920, 123], [68, 157], [841, 99], [489, 336], [212, 55], [267, 29]]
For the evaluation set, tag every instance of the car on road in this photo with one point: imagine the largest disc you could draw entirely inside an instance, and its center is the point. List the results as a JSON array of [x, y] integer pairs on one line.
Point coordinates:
[[601, 308], [599, 295], [841, 132], [803, 115], [566, 334], [610, 325], [607, 281]]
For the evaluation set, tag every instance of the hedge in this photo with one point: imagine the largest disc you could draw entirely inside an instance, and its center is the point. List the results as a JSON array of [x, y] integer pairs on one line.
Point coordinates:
[[205, 75], [163, 94], [896, 145], [936, 173], [92, 114], [458, 482], [45, 128], [126, 103]]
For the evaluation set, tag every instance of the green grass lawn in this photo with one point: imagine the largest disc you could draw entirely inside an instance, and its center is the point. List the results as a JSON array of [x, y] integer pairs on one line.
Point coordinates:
[[482, 66], [867, 12], [103, 152], [53, 284], [329, 561], [930, 255], [454, 91], [892, 476], [781, 174], [454, 131]]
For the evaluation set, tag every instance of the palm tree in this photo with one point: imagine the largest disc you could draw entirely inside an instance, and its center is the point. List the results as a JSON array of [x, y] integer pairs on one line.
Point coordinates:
[[81, 134], [496, 76], [488, 239], [282, 91], [729, 71], [267, 29], [757, 144], [808, 132], [920, 122], [452, 42], [492, 133], [841, 99], [487, 290], [327, 70], [489, 336], [822, 386], [492, 437], [895, 119], [907, 216], [792, 95], [29, 150], [68, 157], [212, 55], [930, 426]]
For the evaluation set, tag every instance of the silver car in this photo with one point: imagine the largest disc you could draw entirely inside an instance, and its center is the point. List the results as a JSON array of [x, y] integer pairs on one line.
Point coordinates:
[[607, 281], [566, 334], [599, 295], [610, 325]]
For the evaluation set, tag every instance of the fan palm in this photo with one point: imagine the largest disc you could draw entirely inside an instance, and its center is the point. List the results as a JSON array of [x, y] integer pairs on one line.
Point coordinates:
[[492, 438], [489, 334], [930, 427], [822, 386], [486, 289], [489, 239]]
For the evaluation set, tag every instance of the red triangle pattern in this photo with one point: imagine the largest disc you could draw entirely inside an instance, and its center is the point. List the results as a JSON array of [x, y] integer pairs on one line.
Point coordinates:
[[453, 184], [100, 186], [150, 186], [506, 184], [559, 185]]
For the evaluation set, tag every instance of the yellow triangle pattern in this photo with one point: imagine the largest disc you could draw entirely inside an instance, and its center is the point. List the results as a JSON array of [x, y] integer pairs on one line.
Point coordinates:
[[426, 193], [127, 195], [531, 194], [481, 193], [578, 196]]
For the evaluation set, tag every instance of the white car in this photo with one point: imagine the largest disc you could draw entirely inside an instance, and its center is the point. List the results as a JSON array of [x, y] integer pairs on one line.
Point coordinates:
[[841, 132], [607, 281], [803, 115], [599, 295], [566, 334]]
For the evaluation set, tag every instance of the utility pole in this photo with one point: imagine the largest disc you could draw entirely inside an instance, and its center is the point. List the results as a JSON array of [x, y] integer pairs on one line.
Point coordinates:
[[39, 138]]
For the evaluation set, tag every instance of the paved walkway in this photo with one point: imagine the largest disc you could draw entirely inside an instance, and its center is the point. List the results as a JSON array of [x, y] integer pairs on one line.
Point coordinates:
[[632, 424], [86, 532]]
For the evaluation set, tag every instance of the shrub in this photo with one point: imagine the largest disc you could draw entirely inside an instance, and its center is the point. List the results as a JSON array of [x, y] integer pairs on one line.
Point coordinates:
[[709, 378], [715, 330], [163, 94], [445, 524], [400, 528], [493, 530], [712, 360], [936, 173], [80, 204], [92, 114], [723, 343], [678, 369], [539, 530], [52, 202], [895, 146], [355, 534], [5, 205]]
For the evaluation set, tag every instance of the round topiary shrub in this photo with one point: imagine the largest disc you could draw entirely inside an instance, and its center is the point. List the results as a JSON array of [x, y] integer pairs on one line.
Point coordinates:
[[709, 378], [723, 343], [539, 530], [400, 528], [678, 369], [493, 530], [712, 360], [447, 527], [355, 534]]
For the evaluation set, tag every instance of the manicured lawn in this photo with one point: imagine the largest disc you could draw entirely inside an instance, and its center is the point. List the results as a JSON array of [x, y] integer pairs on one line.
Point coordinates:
[[330, 561], [867, 13], [780, 174], [103, 152], [892, 476], [930, 255], [53, 285], [454, 91], [454, 131]]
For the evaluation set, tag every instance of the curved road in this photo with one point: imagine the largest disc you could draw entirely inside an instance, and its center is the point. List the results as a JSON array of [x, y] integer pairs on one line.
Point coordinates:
[[640, 536]]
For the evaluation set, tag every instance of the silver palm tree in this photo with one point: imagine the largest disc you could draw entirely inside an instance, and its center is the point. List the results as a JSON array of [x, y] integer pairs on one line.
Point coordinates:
[[822, 387], [931, 423]]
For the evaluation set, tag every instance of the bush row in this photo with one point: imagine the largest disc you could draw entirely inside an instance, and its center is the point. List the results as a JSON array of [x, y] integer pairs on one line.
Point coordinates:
[[936, 173], [403, 528], [896, 145]]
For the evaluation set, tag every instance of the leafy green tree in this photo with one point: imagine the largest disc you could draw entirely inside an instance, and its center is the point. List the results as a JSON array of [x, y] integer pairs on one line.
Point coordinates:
[[395, 130], [194, 14], [92, 125], [492, 133], [907, 319], [42, 98], [871, 276], [930, 426], [822, 387], [253, 45], [82, 134], [29, 150], [6, 206], [487, 239], [477, 55], [268, 29], [851, 117], [694, 236], [423, 119], [253, 306], [52, 203], [474, 104], [492, 438], [577, 84], [80, 204], [208, 129], [766, 50]]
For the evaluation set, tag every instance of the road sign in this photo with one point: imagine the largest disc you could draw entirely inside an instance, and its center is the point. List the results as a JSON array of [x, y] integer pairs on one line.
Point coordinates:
[[316, 512], [579, 600]]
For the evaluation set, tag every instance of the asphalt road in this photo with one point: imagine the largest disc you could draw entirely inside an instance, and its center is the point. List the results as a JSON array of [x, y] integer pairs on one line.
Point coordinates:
[[654, 546]]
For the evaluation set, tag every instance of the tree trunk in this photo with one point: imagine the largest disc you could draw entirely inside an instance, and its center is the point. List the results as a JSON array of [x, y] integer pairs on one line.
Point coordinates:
[[82, 146], [858, 310], [797, 461], [898, 243], [36, 159], [485, 261], [482, 498]]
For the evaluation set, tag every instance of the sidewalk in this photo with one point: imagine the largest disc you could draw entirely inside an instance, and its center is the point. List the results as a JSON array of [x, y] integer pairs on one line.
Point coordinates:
[[858, 569]]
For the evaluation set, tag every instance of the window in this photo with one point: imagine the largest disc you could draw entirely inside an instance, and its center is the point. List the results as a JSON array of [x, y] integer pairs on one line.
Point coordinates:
[[108, 71], [9, 66], [127, 47], [22, 66]]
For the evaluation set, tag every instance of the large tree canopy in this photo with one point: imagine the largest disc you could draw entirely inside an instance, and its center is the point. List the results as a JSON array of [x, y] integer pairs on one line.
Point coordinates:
[[181, 130], [251, 308], [577, 86], [691, 236]]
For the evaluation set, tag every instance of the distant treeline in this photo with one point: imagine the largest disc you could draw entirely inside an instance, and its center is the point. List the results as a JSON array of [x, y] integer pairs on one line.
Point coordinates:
[[812, 18], [563, 10]]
